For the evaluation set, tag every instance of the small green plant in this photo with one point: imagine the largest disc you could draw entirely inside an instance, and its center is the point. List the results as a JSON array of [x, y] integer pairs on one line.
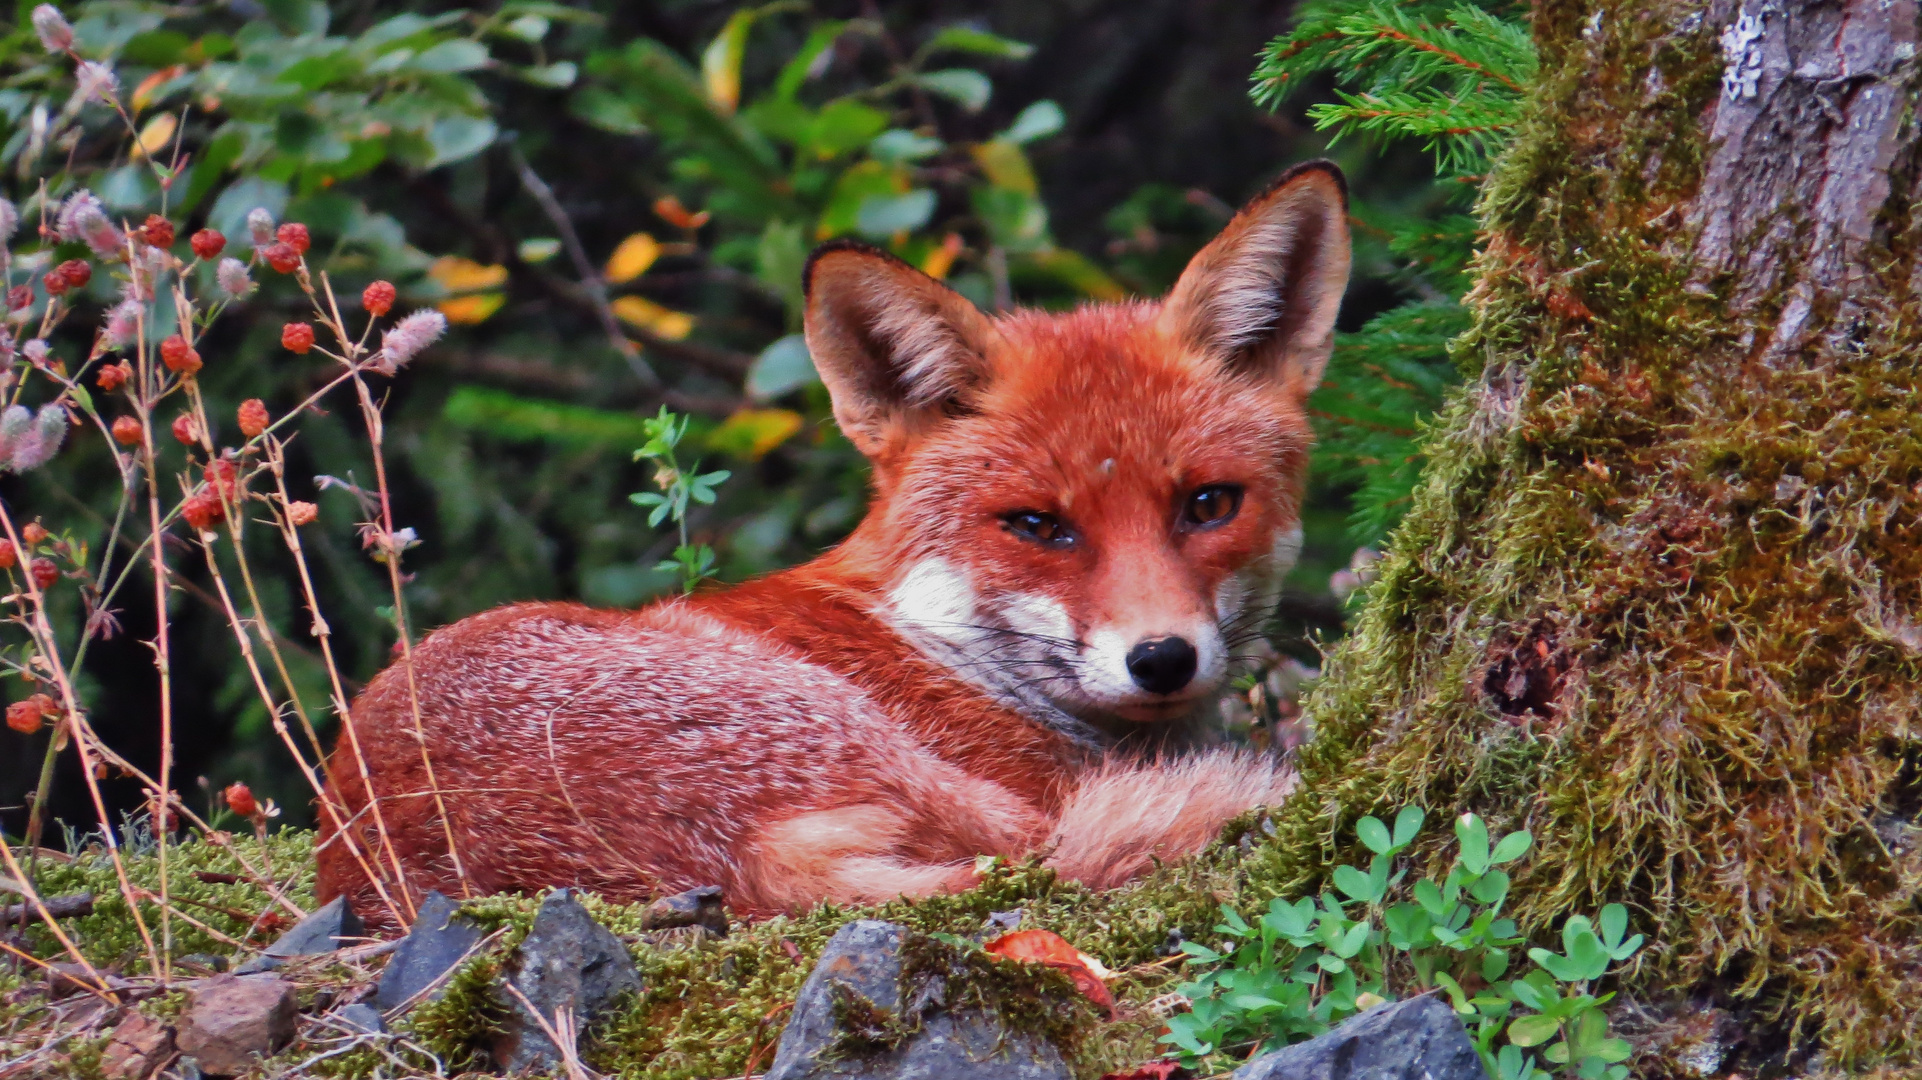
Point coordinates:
[[679, 486], [1307, 964]]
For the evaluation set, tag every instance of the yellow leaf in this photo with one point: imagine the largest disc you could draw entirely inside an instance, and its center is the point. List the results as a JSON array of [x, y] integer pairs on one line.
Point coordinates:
[[751, 433], [940, 260], [459, 275], [632, 258], [468, 310], [1005, 165], [721, 61], [143, 94], [156, 135], [653, 318]]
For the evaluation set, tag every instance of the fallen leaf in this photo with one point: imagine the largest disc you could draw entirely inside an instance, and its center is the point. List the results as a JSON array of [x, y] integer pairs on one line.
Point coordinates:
[[1165, 1069], [1050, 948], [459, 275]]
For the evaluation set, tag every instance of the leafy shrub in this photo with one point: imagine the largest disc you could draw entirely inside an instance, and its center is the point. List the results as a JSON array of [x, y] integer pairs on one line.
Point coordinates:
[[1305, 965]]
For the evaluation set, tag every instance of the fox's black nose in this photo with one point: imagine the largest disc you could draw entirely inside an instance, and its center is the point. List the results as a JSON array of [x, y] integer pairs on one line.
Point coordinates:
[[1163, 665]]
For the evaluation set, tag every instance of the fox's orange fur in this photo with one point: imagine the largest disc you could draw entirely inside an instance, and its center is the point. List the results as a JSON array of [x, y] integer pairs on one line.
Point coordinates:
[[1016, 651]]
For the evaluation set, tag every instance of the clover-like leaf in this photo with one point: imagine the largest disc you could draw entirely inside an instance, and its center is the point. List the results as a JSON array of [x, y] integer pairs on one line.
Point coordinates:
[[1374, 835]]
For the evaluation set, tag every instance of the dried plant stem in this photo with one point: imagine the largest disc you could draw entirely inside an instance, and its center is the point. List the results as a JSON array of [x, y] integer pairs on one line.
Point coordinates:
[[163, 658], [274, 709], [41, 629], [370, 414], [277, 462]]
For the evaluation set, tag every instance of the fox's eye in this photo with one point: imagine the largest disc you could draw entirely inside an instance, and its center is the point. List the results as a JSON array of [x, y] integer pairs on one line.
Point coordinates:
[[1213, 505], [1039, 526]]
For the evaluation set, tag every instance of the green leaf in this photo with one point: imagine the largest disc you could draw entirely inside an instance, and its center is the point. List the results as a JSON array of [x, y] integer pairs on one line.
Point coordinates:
[[1037, 121], [1512, 847], [1374, 835], [1532, 1030], [1473, 835], [881, 216], [1354, 883], [979, 42], [606, 110], [449, 57], [560, 74], [782, 367], [900, 145], [1407, 824], [528, 28], [964, 86], [458, 137], [1490, 888], [810, 61]]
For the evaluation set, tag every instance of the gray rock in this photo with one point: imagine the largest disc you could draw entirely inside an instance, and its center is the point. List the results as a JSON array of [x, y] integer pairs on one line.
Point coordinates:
[[1417, 1039], [700, 907], [853, 997], [359, 1019], [567, 961], [438, 942], [234, 1019], [322, 931]]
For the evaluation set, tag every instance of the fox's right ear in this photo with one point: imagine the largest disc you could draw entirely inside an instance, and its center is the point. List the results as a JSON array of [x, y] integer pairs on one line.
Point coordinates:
[[894, 346]]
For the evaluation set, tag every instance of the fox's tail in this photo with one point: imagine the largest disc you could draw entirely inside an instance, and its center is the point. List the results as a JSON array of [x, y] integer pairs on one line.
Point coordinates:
[[1124, 816]]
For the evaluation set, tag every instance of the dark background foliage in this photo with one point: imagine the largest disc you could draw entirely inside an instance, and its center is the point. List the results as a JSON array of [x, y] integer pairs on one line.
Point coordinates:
[[516, 497]]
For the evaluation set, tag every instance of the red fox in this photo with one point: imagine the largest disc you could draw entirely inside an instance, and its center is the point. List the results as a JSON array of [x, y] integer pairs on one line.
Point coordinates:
[[1077, 520]]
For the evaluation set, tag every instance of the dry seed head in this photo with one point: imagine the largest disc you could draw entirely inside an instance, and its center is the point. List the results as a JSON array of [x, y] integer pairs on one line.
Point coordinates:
[[179, 356], [294, 235], [9, 555], [240, 799], [25, 716], [19, 297], [45, 573], [158, 231], [233, 278], [282, 257], [260, 226], [203, 510], [302, 513], [126, 429], [56, 36], [113, 375], [185, 430], [33, 532], [74, 273]]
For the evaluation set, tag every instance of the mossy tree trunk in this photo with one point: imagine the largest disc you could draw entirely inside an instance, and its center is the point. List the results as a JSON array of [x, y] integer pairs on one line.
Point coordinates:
[[1659, 599]]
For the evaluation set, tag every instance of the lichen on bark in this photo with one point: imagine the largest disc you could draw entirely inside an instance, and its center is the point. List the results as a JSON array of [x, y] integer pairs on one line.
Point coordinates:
[[1659, 598]]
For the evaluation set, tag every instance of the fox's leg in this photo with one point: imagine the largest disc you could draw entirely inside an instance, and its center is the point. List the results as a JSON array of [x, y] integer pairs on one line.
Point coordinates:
[[1122, 817]]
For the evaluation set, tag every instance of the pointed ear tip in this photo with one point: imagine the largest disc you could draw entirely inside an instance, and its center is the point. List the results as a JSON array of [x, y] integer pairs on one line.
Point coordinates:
[[854, 249], [1320, 173]]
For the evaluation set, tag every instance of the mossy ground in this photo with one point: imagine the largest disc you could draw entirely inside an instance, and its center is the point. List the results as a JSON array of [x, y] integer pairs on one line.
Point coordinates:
[[708, 1008]]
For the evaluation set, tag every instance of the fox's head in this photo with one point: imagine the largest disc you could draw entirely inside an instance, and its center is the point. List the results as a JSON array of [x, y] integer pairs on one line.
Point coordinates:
[[1089, 513]]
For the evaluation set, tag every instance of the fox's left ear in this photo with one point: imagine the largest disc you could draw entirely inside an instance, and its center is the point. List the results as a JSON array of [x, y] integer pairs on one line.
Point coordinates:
[[1261, 297]]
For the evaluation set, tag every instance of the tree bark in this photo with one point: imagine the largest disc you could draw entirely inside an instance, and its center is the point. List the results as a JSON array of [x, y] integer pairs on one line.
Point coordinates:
[[1659, 599]]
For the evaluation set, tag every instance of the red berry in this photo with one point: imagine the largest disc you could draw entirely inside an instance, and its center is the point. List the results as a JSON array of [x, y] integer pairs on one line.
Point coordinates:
[[9, 555], [112, 375], [158, 231], [19, 296], [203, 511], [76, 272], [185, 429], [282, 257], [45, 573], [378, 298], [220, 475], [294, 235], [55, 281], [179, 356], [302, 513], [208, 243], [33, 533], [241, 800], [25, 716], [297, 337], [126, 431], [253, 417]]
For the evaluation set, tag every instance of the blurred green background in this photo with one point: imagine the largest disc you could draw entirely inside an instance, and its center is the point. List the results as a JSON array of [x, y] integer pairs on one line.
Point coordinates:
[[612, 203]]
